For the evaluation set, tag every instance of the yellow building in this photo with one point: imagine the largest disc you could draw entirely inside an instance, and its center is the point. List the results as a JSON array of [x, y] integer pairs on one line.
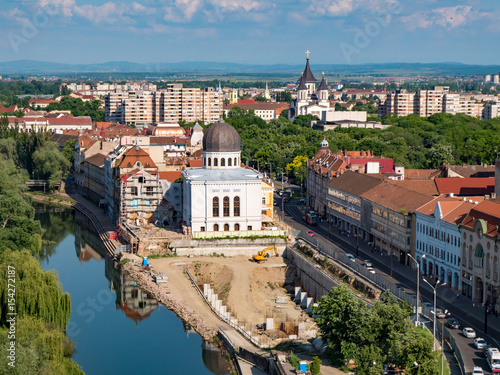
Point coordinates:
[[267, 199]]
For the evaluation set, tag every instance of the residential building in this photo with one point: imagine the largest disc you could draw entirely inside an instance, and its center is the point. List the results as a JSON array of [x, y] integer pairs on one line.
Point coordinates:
[[343, 201], [93, 170], [388, 215], [52, 124], [438, 238], [428, 102], [267, 208], [265, 110], [480, 254], [491, 110], [171, 105], [42, 103]]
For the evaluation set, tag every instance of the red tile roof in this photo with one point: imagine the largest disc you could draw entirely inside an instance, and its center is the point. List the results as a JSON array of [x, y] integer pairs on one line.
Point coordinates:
[[489, 211], [195, 163], [422, 186], [386, 165], [41, 101], [8, 109], [96, 159], [421, 174], [466, 186], [170, 176], [134, 155]]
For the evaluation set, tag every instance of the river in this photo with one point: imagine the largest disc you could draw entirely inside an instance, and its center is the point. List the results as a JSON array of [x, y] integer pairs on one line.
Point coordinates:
[[116, 328]]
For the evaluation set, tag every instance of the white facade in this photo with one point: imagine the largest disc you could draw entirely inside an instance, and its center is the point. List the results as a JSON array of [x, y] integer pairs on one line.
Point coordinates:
[[439, 241]]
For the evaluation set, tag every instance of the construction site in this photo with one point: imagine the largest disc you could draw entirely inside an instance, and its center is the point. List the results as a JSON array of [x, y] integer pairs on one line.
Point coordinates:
[[256, 297]]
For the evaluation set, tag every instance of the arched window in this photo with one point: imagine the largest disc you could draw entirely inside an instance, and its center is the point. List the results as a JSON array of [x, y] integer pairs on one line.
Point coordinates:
[[226, 227], [209, 162], [235, 162], [216, 227], [223, 162], [229, 162], [226, 206], [236, 227], [479, 257], [216, 163], [215, 207], [204, 162], [236, 206]]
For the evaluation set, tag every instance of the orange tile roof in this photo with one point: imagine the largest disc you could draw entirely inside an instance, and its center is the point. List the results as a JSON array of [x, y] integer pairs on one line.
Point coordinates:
[[133, 155], [170, 176], [421, 174], [422, 186], [453, 209]]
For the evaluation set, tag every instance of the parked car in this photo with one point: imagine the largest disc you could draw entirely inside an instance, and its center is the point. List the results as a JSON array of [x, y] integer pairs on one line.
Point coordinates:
[[310, 233], [303, 201], [371, 270], [477, 371], [485, 351], [367, 264], [480, 343], [453, 323], [469, 332]]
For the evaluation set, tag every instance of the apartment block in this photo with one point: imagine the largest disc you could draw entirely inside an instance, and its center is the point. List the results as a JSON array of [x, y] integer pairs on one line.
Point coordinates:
[[491, 110], [171, 105], [428, 102]]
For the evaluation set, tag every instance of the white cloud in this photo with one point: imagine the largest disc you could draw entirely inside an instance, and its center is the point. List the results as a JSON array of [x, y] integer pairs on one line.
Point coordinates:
[[339, 8], [11, 13], [447, 17], [110, 13]]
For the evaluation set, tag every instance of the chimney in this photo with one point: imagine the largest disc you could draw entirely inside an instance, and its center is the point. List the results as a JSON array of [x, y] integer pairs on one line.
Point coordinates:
[[451, 195], [493, 195]]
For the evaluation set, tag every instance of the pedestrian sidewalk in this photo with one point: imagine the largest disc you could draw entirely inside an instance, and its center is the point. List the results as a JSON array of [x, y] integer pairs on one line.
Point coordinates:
[[444, 294]]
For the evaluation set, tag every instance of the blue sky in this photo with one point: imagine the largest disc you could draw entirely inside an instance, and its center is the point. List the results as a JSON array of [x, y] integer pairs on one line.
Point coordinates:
[[251, 31]]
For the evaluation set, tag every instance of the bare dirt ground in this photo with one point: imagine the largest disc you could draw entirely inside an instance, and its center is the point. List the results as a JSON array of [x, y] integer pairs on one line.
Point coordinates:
[[248, 289]]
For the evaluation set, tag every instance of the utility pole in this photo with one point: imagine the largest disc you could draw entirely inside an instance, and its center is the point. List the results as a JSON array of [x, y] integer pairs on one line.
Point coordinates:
[[442, 346]]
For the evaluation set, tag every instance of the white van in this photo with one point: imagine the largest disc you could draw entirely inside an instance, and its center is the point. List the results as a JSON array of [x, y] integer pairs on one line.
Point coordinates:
[[493, 359]]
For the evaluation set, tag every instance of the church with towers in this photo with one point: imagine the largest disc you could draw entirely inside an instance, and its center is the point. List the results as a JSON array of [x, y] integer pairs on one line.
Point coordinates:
[[310, 101], [221, 195]]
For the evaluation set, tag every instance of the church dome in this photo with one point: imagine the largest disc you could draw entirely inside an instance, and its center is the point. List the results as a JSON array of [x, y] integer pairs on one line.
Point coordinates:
[[221, 137]]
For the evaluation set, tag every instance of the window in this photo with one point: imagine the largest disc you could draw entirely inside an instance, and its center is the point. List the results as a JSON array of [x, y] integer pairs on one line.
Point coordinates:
[[149, 190], [215, 207], [147, 202], [134, 203], [216, 227], [235, 162], [249, 227], [133, 190], [226, 206], [209, 162], [264, 199], [479, 257], [226, 227], [236, 206], [216, 162], [229, 162], [202, 229], [236, 227], [223, 162]]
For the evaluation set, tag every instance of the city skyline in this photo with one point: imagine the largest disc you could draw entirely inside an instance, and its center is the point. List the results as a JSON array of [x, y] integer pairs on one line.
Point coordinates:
[[255, 32]]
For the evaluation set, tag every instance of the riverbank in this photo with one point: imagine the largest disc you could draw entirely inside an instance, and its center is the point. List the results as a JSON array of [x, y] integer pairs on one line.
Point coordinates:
[[144, 280], [64, 201]]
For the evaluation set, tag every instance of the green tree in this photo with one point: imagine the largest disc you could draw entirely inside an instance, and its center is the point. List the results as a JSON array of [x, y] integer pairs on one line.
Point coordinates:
[[51, 163], [69, 151], [370, 361], [315, 366]]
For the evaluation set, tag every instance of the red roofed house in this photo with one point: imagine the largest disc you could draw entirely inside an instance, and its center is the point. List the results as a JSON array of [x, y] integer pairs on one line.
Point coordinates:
[[3, 109], [326, 165], [42, 103], [466, 186], [52, 124], [480, 254]]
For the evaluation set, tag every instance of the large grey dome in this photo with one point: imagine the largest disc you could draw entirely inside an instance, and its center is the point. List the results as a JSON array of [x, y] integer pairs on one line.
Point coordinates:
[[221, 137]]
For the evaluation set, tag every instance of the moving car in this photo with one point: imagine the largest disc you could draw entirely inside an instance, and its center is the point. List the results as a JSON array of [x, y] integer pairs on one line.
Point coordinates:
[[440, 314], [480, 343], [371, 270], [310, 233], [367, 263], [350, 256], [469, 332], [477, 371], [453, 323]]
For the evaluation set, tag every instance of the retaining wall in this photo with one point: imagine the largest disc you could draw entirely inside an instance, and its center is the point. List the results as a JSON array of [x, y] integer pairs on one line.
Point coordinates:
[[228, 247], [316, 282]]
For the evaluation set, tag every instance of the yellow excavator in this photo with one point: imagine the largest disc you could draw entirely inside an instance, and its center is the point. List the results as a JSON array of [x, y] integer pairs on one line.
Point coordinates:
[[263, 254]]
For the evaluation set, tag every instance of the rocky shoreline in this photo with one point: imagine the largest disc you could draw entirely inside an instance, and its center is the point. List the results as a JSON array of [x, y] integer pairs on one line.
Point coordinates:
[[144, 280]]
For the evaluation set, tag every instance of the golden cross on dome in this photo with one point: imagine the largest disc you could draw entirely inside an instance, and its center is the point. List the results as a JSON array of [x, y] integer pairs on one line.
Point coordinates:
[[307, 54]]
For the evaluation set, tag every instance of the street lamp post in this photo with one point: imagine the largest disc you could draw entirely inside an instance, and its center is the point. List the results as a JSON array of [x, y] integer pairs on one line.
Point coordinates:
[[418, 286], [434, 323], [282, 201]]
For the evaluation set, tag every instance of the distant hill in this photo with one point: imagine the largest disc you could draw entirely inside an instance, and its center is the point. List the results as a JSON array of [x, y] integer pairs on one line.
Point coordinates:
[[190, 67]]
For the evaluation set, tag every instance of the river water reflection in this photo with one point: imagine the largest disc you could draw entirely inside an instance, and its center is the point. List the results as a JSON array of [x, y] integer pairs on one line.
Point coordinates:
[[116, 327]]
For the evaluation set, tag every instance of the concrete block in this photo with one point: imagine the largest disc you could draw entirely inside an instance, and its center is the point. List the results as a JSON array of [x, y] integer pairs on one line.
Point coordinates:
[[222, 310], [309, 303], [298, 289], [269, 324], [218, 304], [301, 328], [213, 299], [206, 287], [303, 299]]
